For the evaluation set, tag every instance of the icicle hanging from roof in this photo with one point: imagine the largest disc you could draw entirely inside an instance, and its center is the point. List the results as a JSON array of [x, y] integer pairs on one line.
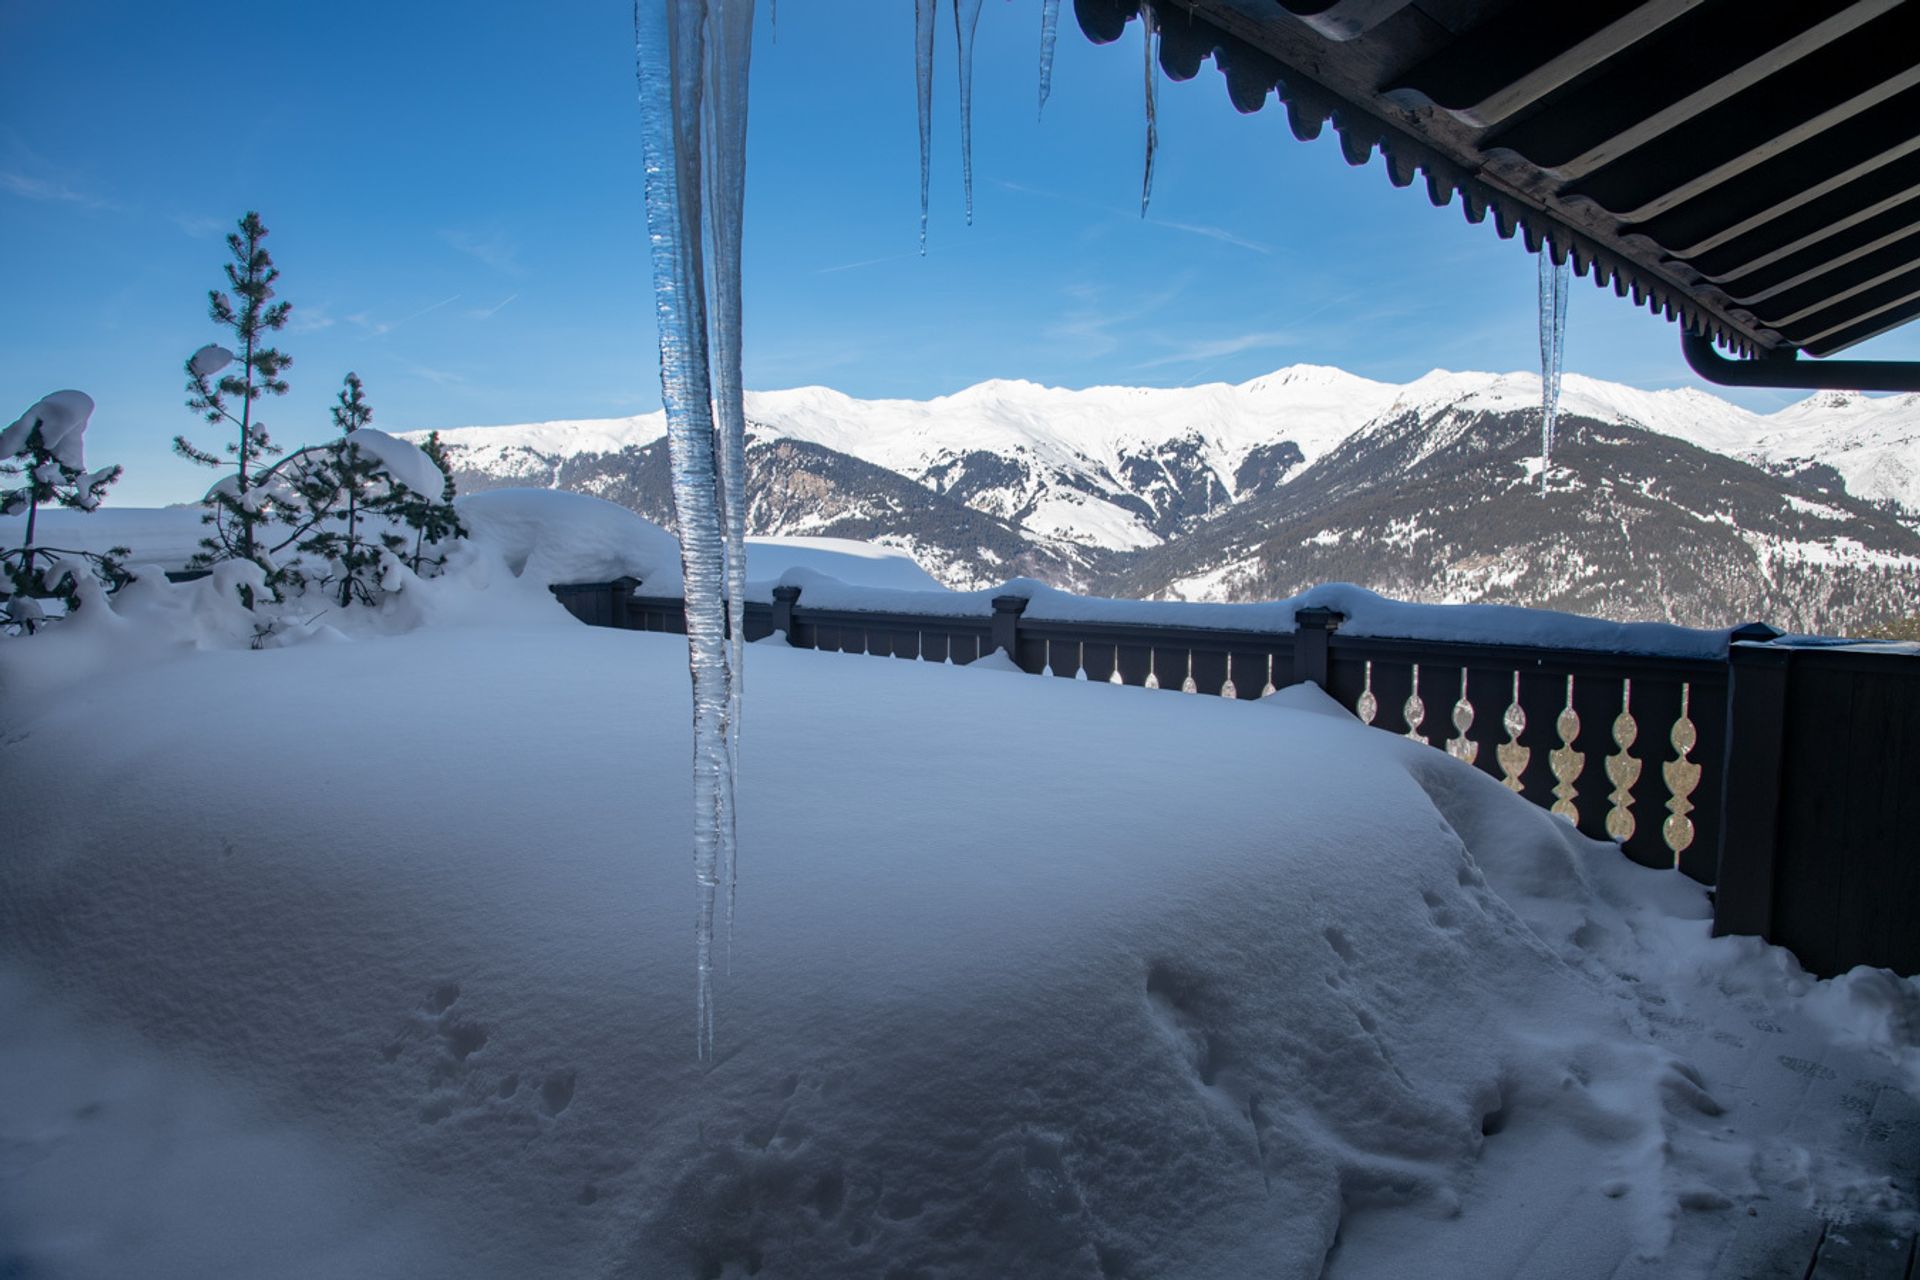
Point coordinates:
[[923, 81], [1556, 281], [1049, 30], [1148, 30], [966, 17], [685, 83]]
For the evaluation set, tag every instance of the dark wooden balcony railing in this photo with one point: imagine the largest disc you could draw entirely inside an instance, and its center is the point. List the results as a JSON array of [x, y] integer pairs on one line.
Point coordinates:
[[1786, 777]]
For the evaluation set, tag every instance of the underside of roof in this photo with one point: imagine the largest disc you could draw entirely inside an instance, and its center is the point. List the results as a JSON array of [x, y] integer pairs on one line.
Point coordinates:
[[1749, 167]]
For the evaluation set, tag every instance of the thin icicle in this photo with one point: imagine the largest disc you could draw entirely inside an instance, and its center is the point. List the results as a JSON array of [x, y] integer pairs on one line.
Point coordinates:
[[966, 16], [1149, 29], [729, 56], [923, 78], [672, 62], [1049, 29], [1555, 284]]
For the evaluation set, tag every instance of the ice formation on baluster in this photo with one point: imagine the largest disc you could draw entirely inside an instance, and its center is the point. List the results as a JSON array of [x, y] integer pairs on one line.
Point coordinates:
[[923, 81], [1049, 29], [677, 76], [1148, 29], [1555, 282]]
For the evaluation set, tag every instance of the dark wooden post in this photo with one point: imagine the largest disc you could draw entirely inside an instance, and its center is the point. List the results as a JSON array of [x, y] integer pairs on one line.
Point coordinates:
[[1312, 628], [784, 598], [1006, 623], [1750, 785], [622, 590]]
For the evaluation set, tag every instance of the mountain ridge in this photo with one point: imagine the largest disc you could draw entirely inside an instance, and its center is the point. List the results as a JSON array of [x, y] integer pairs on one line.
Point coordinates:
[[1222, 491]]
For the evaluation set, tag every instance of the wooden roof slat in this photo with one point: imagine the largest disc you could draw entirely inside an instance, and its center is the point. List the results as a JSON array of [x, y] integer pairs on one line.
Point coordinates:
[[1792, 106], [1870, 327], [1792, 178], [1842, 281], [1826, 321], [1813, 222], [1526, 53], [1693, 64], [1834, 249]]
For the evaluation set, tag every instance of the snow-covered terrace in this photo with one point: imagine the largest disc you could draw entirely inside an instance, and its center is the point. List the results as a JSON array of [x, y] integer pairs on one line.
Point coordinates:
[[367, 954]]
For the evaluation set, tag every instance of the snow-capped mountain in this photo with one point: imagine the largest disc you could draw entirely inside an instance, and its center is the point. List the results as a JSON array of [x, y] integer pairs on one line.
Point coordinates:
[[1668, 504]]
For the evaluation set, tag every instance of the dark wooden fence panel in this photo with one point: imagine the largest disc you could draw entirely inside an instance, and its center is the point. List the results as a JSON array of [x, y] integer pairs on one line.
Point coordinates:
[[1791, 777], [1846, 861]]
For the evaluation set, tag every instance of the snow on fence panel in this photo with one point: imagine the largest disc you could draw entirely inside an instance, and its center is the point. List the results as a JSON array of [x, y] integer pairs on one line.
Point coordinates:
[[1815, 852]]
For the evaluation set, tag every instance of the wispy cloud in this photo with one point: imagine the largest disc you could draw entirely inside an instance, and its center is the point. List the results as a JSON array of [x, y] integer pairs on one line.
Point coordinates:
[[198, 226], [864, 262], [439, 377], [488, 313], [1221, 234], [1092, 323], [380, 328], [1221, 348], [310, 318], [48, 190], [492, 246]]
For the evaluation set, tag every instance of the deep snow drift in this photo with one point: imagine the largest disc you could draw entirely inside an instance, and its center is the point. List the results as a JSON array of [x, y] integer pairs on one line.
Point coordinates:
[[364, 958]]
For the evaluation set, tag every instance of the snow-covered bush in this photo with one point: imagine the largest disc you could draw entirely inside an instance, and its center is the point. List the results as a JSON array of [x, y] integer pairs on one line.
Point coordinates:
[[350, 509], [45, 449]]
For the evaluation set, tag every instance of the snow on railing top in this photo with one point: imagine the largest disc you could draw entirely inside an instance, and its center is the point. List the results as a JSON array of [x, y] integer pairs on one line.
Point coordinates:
[[1364, 613]]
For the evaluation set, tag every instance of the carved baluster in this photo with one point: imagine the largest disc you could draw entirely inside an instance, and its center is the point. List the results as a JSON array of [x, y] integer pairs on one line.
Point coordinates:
[[1114, 676], [1046, 668], [1227, 690], [1153, 678], [1080, 672], [1623, 770], [1188, 685], [1461, 747], [1565, 762], [1368, 706], [1682, 776], [1267, 690], [1415, 710], [1512, 756]]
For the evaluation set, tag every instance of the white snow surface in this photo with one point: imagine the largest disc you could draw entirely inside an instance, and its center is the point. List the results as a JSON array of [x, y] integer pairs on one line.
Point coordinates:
[[1030, 978], [62, 418]]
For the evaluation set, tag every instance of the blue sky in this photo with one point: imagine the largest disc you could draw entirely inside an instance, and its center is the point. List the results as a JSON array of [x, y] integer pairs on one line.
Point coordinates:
[[454, 194]]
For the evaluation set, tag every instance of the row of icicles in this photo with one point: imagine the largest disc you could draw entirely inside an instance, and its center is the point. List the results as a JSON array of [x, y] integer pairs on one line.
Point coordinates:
[[693, 58], [1555, 278]]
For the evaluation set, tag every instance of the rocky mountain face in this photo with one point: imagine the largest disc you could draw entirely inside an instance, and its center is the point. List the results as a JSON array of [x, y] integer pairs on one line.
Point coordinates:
[[1673, 505]]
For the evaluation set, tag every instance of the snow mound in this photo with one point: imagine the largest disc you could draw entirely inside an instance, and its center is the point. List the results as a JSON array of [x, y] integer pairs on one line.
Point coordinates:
[[553, 536], [842, 559], [405, 461], [1030, 978]]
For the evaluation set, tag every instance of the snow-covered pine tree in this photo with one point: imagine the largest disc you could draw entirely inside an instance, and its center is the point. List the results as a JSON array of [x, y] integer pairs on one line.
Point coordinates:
[[235, 506], [45, 447], [433, 518]]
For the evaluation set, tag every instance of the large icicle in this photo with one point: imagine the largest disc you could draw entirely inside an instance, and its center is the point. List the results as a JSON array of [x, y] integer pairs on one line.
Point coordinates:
[[729, 53], [673, 68], [923, 79], [1148, 29], [1555, 283], [966, 17], [1049, 29]]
